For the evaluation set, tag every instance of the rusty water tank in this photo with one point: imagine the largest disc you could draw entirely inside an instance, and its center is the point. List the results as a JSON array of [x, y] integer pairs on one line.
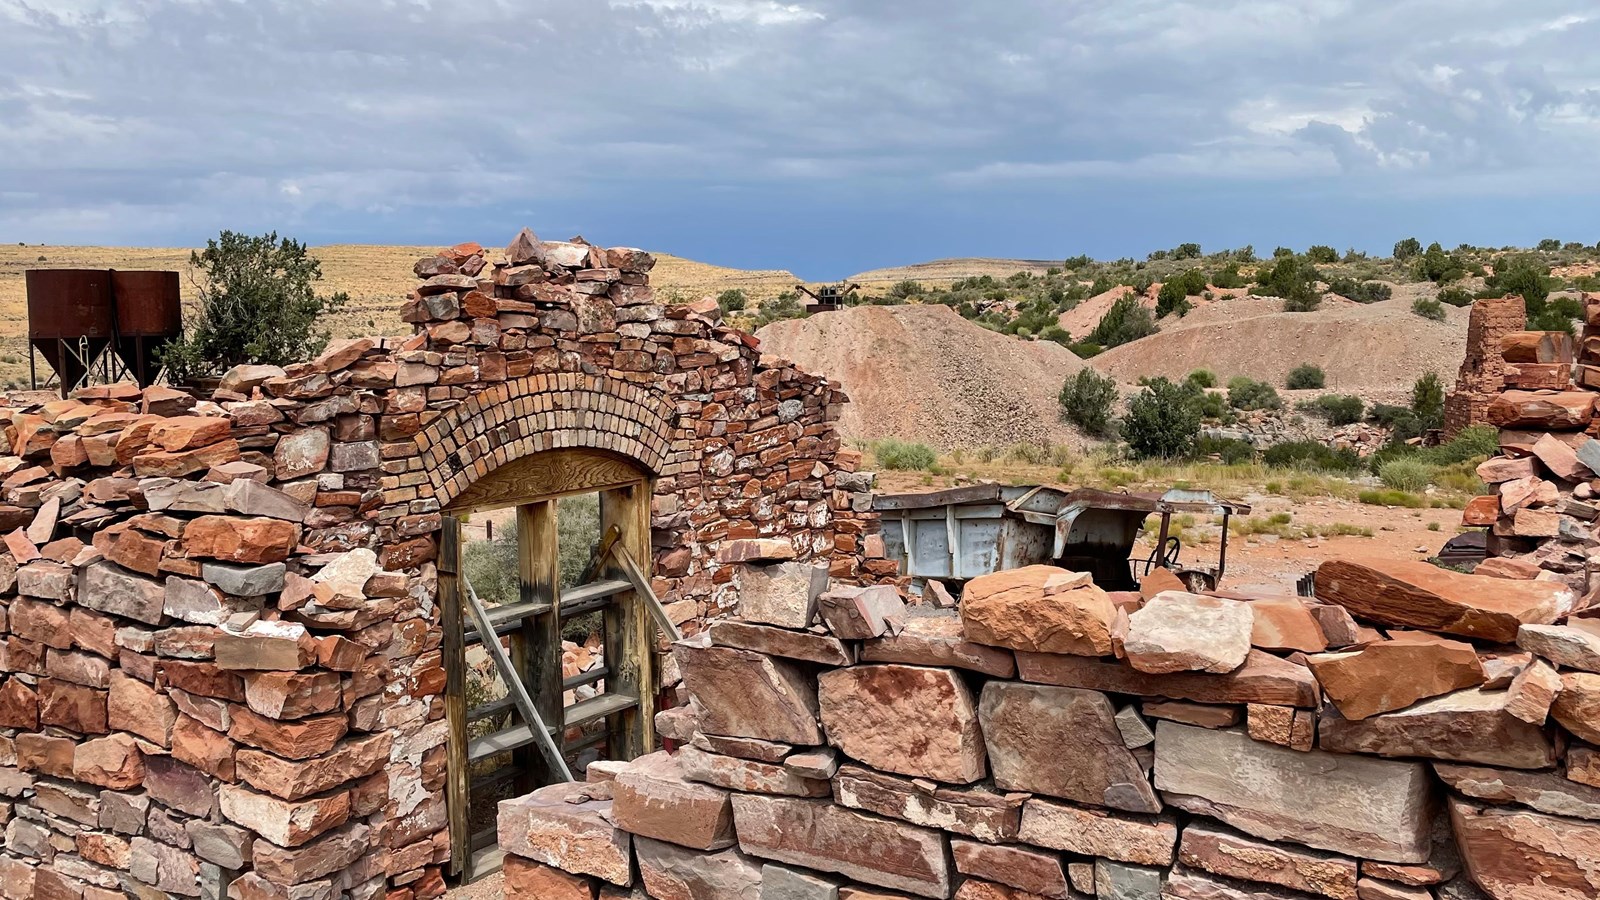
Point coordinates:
[[74, 315]]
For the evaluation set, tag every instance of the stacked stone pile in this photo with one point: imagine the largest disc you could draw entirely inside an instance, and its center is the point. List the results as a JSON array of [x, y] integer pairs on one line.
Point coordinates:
[[221, 670], [1412, 734], [1542, 512]]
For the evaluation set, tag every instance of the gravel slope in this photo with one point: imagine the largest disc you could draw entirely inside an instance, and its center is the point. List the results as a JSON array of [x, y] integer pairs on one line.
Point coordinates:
[[924, 373]]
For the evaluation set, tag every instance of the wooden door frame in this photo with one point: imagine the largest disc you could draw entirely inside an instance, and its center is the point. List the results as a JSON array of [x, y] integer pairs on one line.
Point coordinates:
[[532, 485]]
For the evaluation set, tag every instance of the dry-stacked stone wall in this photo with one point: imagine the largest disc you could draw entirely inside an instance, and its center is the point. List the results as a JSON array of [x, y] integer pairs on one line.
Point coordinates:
[[221, 672], [1483, 371], [1411, 734]]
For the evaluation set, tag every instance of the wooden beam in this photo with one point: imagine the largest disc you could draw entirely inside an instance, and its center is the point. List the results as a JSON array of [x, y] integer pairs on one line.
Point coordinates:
[[538, 554], [551, 474], [455, 692], [630, 631]]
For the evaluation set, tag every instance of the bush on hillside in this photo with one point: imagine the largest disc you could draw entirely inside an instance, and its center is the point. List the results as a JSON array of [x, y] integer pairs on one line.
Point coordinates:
[[1455, 295], [1126, 321], [1312, 456], [1407, 249], [1162, 420], [1246, 393], [1202, 378], [1322, 253], [1233, 452], [258, 304], [1294, 279], [1176, 290], [1428, 309], [1086, 400], [732, 300], [1438, 266], [1338, 409], [897, 455], [1360, 291], [1305, 377]]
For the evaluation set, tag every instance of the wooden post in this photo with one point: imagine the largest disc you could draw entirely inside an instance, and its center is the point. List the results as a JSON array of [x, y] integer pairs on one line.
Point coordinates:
[[455, 691], [629, 631], [538, 555]]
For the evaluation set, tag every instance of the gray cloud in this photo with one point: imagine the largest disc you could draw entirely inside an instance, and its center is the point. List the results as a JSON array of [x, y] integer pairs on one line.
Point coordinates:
[[152, 120]]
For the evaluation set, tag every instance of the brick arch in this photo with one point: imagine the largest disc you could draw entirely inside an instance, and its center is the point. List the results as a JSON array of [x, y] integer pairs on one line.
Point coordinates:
[[535, 413]]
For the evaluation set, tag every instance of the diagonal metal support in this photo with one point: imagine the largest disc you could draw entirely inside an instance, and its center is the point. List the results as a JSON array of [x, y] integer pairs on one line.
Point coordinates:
[[519, 691]]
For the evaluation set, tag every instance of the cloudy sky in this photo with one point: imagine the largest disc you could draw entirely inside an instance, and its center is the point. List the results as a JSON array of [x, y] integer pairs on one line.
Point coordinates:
[[824, 136]]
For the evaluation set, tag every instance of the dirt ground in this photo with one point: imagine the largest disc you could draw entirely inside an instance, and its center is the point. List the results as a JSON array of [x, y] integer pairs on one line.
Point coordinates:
[[1267, 563]]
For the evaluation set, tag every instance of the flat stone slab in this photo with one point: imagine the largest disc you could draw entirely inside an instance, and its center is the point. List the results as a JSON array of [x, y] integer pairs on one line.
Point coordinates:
[[1263, 678], [1543, 791], [1358, 806], [1225, 852], [1022, 609], [671, 872], [745, 694], [652, 798], [1064, 742], [911, 720], [1470, 726], [817, 648], [819, 835], [1176, 631], [939, 641], [1514, 854], [1416, 594], [977, 812], [1389, 675], [561, 826], [1143, 840], [748, 775]]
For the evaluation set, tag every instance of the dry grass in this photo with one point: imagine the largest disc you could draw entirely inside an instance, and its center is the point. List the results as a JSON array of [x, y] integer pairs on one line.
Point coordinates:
[[944, 272]]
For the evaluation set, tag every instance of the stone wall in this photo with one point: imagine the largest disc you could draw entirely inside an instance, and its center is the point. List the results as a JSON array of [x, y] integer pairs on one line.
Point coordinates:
[[1483, 371], [1412, 734], [221, 666], [1541, 512]]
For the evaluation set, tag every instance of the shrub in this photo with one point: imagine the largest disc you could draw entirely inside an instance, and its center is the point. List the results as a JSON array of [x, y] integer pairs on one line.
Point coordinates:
[[1428, 309], [1292, 278], [1086, 349], [1322, 253], [1427, 401], [897, 455], [1176, 290], [1456, 295], [1306, 377], [1202, 378], [1405, 474], [1186, 251], [1233, 452], [1361, 291], [258, 304], [906, 289], [1162, 420], [1406, 249], [1126, 321], [1228, 276], [1057, 334], [1339, 409], [1313, 456], [784, 306], [732, 300], [1086, 400], [1246, 393], [1438, 266]]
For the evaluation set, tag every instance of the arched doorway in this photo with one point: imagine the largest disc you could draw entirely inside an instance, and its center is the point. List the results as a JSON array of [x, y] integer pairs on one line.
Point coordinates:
[[550, 576]]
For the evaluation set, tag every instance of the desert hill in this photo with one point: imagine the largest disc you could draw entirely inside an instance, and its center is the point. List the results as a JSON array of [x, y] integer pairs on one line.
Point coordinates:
[[925, 373], [941, 272], [1378, 347]]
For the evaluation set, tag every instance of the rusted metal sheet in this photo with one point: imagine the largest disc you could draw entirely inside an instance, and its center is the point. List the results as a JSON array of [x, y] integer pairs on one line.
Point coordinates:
[[68, 304], [148, 304]]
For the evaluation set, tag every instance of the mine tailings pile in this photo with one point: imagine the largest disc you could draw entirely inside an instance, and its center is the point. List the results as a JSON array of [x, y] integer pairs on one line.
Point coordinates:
[[1411, 733]]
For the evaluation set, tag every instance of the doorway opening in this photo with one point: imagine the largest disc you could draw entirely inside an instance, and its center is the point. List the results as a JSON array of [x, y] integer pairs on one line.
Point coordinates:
[[549, 555]]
